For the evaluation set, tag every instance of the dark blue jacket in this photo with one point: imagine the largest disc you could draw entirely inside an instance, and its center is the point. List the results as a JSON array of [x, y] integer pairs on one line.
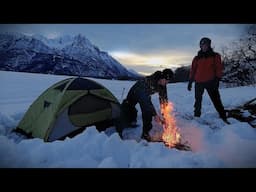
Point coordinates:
[[142, 90]]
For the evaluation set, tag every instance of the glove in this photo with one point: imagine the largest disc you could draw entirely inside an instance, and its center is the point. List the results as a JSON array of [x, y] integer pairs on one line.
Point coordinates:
[[189, 85]]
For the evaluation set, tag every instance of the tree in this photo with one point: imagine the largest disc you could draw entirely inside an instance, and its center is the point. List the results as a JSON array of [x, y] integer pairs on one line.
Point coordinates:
[[240, 60], [181, 74]]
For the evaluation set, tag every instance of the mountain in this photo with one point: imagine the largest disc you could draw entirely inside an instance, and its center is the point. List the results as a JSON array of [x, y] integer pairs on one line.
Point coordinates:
[[64, 55], [58, 42]]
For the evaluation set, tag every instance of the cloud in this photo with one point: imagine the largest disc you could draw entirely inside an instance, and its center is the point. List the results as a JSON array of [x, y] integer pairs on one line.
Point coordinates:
[[150, 62]]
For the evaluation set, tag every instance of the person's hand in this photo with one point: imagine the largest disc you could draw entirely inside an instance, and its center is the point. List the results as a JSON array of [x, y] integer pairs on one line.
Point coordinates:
[[189, 85], [158, 119], [164, 104]]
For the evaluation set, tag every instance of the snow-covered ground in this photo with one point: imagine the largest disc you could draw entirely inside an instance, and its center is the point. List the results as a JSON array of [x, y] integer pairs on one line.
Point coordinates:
[[214, 143]]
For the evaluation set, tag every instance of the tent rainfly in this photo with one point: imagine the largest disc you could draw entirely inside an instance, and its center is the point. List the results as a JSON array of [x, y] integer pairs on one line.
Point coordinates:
[[67, 108]]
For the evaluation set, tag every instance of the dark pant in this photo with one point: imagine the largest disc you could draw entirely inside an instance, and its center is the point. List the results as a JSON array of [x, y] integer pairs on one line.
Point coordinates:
[[213, 92], [138, 94], [129, 112]]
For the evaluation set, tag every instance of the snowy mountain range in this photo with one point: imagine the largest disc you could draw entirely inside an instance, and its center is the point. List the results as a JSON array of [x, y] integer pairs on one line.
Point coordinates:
[[61, 56]]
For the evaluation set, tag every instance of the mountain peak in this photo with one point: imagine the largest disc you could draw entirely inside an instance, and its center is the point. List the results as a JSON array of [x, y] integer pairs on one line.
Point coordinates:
[[81, 40], [62, 55]]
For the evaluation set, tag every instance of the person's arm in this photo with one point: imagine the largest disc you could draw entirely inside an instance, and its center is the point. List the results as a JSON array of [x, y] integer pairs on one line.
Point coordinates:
[[192, 74], [163, 98], [193, 70], [219, 67], [147, 102]]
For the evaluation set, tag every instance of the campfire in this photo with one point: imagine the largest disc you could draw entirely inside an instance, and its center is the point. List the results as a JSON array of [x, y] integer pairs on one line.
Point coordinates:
[[171, 136]]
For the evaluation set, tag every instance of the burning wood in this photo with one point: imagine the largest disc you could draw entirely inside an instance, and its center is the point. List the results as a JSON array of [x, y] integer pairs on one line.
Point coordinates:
[[171, 136]]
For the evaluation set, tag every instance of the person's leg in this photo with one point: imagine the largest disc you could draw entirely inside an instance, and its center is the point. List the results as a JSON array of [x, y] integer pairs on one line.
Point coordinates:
[[121, 122], [133, 116], [199, 90], [147, 125], [216, 100], [145, 105], [128, 114], [130, 103], [129, 111]]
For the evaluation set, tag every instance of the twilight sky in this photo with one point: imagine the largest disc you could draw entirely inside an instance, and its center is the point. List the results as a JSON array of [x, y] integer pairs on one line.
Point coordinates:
[[144, 48]]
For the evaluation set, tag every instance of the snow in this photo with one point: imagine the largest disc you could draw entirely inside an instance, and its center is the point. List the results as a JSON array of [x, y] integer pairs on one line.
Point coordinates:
[[214, 144]]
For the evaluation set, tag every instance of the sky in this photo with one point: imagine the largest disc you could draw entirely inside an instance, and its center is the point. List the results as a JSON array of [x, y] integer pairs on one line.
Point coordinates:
[[144, 48], [214, 144]]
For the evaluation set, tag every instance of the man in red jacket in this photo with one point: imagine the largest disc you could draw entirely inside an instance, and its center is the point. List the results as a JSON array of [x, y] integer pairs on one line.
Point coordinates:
[[206, 71]]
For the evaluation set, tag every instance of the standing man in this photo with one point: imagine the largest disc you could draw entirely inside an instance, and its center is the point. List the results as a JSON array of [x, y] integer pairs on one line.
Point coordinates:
[[206, 71], [141, 93]]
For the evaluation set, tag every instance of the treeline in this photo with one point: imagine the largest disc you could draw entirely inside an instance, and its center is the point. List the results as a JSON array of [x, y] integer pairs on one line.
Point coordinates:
[[181, 74], [240, 60]]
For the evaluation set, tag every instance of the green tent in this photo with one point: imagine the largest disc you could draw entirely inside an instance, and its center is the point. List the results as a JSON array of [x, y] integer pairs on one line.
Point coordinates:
[[67, 108]]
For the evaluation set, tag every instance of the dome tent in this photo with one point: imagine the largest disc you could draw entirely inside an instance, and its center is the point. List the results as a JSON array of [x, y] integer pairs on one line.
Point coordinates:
[[67, 108]]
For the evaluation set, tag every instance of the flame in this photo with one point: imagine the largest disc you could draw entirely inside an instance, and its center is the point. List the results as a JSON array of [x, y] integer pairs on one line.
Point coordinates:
[[171, 135]]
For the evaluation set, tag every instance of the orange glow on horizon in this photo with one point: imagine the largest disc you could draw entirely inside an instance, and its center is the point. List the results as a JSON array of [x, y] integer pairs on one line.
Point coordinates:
[[160, 60]]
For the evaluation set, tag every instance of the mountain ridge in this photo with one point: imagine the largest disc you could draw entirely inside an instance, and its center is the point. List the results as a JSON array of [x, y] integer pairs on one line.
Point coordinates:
[[64, 55]]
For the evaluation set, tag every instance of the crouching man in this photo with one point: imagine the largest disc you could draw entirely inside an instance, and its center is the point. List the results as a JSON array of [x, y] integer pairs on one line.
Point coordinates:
[[141, 93]]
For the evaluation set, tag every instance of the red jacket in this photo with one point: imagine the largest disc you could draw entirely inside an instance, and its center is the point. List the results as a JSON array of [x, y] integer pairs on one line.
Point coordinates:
[[206, 68]]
